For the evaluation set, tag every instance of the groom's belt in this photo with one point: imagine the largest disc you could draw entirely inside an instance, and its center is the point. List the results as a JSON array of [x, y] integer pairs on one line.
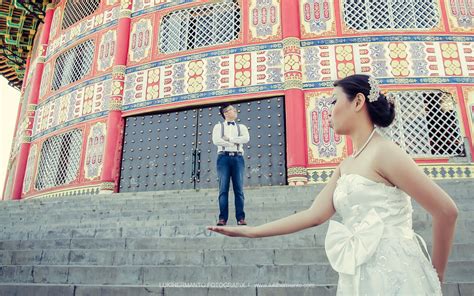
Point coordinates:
[[230, 153]]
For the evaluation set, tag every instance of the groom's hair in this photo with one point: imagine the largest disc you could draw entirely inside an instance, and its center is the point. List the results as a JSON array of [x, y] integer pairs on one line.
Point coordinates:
[[223, 107]]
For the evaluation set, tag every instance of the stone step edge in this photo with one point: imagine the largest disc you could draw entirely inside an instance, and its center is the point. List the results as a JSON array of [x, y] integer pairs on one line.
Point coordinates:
[[194, 250], [125, 196], [186, 286], [186, 266], [126, 240], [156, 201], [209, 286]]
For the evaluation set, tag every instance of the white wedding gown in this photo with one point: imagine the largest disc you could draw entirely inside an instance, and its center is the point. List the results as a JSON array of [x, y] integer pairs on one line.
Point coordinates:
[[374, 249]]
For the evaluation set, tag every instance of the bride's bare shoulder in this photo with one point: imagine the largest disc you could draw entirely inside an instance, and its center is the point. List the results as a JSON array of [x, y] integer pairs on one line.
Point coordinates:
[[386, 146], [388, 154]]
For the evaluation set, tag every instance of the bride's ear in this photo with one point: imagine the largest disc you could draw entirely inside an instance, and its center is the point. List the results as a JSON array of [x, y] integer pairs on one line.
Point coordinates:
[[359, 102]]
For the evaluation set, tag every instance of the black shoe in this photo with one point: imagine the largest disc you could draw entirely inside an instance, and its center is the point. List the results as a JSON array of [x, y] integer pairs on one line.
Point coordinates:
[[221, 222], [241, 222]]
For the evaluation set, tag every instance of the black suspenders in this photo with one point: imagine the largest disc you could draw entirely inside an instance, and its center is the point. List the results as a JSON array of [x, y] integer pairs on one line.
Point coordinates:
[[238, 134]]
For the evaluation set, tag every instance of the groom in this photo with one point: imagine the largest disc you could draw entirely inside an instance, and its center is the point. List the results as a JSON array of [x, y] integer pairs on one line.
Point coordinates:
[[229, 138]]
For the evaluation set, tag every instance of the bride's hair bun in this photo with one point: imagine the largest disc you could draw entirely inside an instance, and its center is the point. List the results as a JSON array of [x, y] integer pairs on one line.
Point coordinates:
[[381, 111]]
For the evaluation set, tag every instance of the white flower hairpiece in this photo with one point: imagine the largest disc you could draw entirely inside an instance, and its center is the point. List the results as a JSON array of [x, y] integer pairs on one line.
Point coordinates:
[[374, 89], [391, 98]]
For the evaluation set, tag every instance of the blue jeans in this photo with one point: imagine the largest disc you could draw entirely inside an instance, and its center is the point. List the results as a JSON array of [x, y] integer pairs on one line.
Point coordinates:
[[231, 167]]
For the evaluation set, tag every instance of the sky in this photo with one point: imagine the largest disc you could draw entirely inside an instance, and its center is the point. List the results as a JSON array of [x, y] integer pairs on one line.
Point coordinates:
[[9, 99]]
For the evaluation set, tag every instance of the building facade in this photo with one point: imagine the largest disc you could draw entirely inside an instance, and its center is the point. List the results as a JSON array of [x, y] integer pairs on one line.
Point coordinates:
[[122, 95]]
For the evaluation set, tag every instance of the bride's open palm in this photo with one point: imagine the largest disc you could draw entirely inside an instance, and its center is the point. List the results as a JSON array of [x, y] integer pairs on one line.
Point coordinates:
[[237, 231]]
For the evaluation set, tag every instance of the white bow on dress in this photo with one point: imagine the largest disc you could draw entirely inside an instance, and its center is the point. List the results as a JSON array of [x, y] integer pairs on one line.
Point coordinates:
[[347, 249]]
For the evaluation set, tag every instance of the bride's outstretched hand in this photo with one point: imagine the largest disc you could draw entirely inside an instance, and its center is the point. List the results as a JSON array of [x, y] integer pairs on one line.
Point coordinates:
[[233, 231]]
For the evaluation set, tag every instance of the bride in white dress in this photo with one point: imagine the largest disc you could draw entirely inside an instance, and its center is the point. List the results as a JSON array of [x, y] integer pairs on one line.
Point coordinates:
[[374, 249]]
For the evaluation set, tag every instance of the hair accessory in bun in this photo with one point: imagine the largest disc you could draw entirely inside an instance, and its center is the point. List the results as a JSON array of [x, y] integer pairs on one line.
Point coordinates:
[[391, 98], [374, 89]]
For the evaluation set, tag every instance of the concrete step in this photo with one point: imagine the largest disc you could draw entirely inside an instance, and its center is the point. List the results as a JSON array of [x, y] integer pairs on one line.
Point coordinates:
[[113, 257], [197, 236], [323, 274], [209, 217], [183, 289], [91, 226], [304, 238], [101, 200], [189, 213], [165, 257], [171, 289], [211, 191], [112, 202], [156, 204], [150, 275], [153, 207], [457, 189], [145, 212], [119, 232], [146, 209], [74, 213], [464, 231]]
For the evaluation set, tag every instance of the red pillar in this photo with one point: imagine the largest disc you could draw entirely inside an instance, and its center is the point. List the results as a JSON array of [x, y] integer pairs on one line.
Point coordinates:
[[20, 104], [296, 141], [111, 162], [32, 102], [23, 86]]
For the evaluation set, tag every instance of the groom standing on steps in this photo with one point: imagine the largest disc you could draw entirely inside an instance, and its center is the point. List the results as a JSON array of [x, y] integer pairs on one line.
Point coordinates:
[[230, 137]]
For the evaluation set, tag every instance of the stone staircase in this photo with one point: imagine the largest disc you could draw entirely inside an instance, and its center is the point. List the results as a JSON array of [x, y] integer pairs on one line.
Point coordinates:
[[156, 244]]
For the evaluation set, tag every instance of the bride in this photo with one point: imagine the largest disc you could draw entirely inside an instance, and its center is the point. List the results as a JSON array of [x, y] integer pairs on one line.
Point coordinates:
[[374, 249]]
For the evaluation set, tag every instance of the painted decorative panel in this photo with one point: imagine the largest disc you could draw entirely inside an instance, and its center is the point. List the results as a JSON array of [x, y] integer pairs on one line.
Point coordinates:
[[317, 18], [82, 102], [55, 24], [324, 146], [45, 80], [30, 168], [264, 20], [195, 76], [140, 40], [460, 15], [390, 59], [95, 151], [106, 50]]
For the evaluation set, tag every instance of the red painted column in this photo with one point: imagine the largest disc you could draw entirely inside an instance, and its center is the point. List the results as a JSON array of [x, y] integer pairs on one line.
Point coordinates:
[[111, 161], [23, 86], [296, 139], [20, 105], [32, 102]]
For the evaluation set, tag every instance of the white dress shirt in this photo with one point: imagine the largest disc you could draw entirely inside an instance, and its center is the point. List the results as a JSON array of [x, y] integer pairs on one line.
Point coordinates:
[[235, 143]]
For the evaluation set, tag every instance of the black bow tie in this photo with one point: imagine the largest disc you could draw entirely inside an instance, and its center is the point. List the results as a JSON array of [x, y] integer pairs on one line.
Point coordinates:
[[230, 123]]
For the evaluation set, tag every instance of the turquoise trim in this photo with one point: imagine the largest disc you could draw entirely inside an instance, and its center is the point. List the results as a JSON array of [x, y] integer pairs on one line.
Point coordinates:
[[207, 94], [392, 38]]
